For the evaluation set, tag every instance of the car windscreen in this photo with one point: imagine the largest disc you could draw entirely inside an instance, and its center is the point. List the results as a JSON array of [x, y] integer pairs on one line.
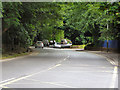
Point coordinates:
[[38, 42]]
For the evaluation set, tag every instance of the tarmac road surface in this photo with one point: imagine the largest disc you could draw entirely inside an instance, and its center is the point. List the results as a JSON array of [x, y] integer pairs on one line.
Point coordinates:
[[59, 68]]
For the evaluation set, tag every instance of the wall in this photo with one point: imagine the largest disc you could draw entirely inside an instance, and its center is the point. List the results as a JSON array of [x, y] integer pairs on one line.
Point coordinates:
[[112, 44]]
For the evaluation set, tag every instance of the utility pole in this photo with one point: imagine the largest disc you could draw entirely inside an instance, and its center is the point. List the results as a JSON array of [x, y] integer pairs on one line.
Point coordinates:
[[107, 33], [107, 38], [108, 28]]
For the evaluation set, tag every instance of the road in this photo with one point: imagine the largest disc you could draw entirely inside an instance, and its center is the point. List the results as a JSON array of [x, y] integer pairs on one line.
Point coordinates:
[[59, 68]]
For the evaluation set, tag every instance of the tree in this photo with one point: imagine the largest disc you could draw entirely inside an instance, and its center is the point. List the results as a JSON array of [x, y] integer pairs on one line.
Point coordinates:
[[28, 21], [91, 19], [81, 22]]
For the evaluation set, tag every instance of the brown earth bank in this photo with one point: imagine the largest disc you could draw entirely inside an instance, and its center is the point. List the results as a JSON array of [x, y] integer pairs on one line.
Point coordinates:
[[15, 49], [115, 50], [15, 52]]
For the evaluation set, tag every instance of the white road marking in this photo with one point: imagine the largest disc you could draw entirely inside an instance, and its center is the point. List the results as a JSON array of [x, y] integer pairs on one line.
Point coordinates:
[[58, 84], [53, 83], [7, 80], [21, 78], [112, 62], [114, 77], [68, 56], [4, 87], [64, 59], [12, 81], [40, 80], [18, 79], [54, 66]]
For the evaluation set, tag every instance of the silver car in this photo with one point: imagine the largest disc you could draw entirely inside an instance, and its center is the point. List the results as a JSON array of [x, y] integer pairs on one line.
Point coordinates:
[[39, 44]]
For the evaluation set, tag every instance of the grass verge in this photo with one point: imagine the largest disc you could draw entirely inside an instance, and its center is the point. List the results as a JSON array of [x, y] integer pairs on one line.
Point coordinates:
[[13, 55], [78, 46]]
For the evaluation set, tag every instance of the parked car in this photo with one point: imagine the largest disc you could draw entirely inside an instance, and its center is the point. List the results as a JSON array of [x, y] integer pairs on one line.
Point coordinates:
[[45, 42], [39, 44], [57, 45], [52, 42], [63, 41], [66, 43]]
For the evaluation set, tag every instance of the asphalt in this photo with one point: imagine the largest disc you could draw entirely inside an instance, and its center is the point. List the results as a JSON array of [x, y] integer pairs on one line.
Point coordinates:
[[113, 57], [59, 68]]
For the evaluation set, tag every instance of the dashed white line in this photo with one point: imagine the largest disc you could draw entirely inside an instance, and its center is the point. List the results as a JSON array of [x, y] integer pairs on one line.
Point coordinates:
[[54, 66]]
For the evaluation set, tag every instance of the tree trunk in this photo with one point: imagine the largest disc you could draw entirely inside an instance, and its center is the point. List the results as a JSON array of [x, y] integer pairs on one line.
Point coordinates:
[[4, 30]]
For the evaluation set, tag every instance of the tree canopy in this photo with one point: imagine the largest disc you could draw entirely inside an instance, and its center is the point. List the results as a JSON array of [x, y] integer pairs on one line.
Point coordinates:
[[82, 22], [92, 19]]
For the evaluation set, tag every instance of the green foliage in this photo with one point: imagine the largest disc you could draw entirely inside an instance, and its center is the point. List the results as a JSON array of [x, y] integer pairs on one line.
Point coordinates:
[[59, 36], [24, 22], [82, 22], [11, 15], [91, 20], [0, 9]]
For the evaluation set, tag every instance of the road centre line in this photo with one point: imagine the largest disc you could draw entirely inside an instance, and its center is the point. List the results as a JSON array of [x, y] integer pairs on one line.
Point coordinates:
[[64, 59], [112, 83], [54, 67], [4, 87], [24, 77], [7, 80], [15, 80]]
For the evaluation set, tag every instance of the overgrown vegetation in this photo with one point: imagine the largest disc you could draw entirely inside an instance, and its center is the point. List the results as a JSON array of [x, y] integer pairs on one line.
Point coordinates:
[[13, 55], [25, 23], [87, 22], [82, 22]]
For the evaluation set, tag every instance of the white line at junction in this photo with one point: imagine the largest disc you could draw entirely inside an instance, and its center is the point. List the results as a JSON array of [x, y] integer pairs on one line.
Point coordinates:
[[114, 77]]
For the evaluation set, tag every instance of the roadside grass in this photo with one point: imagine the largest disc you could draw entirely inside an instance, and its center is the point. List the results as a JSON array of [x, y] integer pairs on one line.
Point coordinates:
[[13, 55], [78, 46]]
